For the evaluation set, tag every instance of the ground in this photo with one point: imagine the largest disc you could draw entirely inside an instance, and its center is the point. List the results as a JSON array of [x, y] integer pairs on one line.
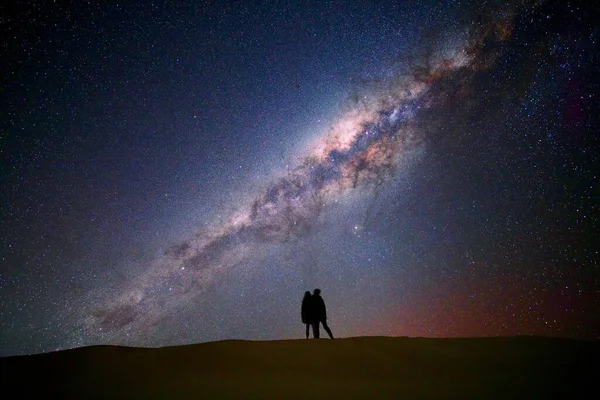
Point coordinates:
[[350, 368]]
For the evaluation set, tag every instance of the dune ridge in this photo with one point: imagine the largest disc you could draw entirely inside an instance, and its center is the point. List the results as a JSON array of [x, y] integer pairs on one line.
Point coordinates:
[[348, 368]]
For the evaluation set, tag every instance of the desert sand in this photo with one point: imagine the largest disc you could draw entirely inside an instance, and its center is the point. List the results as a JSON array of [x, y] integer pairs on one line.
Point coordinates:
[[349, 368]]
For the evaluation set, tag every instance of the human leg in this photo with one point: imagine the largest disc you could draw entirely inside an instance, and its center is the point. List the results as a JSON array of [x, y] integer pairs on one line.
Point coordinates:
[[307, 330], [327, 329], [315, 326]]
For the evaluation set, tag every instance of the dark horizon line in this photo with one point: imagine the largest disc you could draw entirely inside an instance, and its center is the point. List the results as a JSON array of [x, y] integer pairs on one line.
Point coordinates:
[[124, 347]]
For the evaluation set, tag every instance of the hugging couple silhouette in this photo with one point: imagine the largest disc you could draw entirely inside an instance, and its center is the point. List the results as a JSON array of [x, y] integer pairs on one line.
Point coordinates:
[[314, 313]]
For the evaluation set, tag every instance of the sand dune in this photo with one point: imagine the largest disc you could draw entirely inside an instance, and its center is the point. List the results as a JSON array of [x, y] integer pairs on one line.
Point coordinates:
[[361, 367]]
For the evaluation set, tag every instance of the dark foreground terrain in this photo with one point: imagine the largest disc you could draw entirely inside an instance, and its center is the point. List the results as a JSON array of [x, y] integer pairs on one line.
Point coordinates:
[[362, 367]]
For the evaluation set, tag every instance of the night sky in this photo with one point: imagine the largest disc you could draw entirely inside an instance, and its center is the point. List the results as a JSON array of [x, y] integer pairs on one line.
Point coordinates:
[[176, 173]]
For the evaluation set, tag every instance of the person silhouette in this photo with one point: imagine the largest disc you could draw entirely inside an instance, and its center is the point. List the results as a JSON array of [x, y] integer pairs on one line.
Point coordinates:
[[305, 311], [319, 314]]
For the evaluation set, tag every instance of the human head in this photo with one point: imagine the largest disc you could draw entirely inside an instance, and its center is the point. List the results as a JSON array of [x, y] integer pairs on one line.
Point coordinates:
[[306, 294], [317, 292]]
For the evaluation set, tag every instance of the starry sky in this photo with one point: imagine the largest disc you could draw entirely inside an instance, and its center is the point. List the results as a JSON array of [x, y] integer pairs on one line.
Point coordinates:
[[181, 172]]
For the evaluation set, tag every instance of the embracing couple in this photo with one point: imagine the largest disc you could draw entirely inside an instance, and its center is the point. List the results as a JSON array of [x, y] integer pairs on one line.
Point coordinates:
[[314, 313]]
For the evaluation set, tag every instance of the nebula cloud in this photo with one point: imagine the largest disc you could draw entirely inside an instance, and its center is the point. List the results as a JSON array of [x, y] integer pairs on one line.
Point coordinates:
[[362, 150]]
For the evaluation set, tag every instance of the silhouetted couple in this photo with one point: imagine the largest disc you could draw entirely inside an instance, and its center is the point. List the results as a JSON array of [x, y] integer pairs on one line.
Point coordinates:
[[314, 313]]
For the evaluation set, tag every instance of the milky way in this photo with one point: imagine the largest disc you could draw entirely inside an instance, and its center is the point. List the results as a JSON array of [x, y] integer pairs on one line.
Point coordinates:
[[362, 150]]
